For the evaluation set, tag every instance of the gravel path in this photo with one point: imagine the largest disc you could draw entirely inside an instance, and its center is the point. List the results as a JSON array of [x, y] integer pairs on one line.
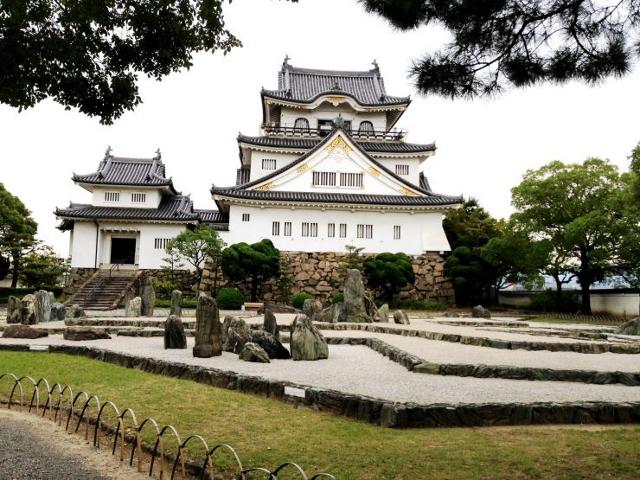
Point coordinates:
[[358, 369], [447, 352], [33, 448]]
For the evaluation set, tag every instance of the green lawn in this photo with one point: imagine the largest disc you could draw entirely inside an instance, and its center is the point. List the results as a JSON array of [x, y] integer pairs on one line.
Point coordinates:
[[267, 432]]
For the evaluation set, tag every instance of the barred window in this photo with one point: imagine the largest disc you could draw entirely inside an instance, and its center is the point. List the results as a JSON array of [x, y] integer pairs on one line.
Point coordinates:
[[351, 180], [160, 243], [275, 229], [111, 196], [324, 179], [309, 229], [365, 231], [268, 163], [365, 127], [301, 124], [245, 217], [138, 197], [287, 229], [343, 230], [331, 230], [396, 232], [402, 169]]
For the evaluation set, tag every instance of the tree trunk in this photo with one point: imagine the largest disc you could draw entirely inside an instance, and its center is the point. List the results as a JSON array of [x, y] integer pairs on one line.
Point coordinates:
[[586, 299], [585, 282], [16, 269], [556, 278], [254, 288]]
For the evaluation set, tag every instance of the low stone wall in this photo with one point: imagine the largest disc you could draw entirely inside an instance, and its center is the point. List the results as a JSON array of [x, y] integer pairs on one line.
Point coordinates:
[[77, 278], [368, 409], [317, 274]]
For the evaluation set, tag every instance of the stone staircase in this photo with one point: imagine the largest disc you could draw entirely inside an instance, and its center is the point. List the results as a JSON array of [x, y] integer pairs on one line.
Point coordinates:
[[104, 290]]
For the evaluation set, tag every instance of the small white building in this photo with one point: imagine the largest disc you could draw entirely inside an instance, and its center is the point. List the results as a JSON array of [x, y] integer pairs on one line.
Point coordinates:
[[135, 210], [329, 169]]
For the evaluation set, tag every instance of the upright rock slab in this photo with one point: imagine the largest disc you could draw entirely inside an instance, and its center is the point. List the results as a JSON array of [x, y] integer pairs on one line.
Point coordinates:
[[312, 309], [332, 313], [383, 313], [134, 307], [235, 333], [176, 303], [269, 324], [632, 327], [401, 317], [13, 310], [58, 311], [307, 343], [148, 296], [208, 332], [354, 309], [174, 336], [42, 306], [28, 310], [370, 307]]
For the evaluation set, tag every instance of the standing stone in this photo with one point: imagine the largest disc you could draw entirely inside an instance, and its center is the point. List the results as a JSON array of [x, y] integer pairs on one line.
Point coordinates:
[[480, 312], [176, 303], [235, 334], [354, 307], [370, 307], [332, 313], [75, 311], [401, 317], [28, 310], [134, 307], [42, 306], [174, 336], [307, 343], [208, 328], [13, 310], [252, 352], [312, 309], [58, 311], [270, 344], [129, 295], [269, 324], [632, 327], [383, 313], [148, 296]]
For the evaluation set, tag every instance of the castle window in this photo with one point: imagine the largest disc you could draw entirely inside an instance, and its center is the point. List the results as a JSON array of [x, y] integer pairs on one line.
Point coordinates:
[[331, 230], [301, 125], [138, 197], [160, 243], [365, 231], [275, 229], [287, 229], [343, 230], [268, 163], [309, 229], [402, 169], [351, 180], [324, 179], [396, 232], [245, 217], [111, 196], [365, 128]]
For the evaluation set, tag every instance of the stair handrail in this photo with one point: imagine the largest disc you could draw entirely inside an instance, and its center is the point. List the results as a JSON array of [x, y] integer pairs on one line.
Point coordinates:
[[100, 282]]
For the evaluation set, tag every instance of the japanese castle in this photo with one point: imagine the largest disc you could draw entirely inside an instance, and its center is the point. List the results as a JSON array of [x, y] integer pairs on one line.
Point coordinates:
[[328, 169]]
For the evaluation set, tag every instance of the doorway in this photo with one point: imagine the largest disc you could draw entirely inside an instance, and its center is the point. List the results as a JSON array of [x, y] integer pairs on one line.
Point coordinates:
[[123, 251]]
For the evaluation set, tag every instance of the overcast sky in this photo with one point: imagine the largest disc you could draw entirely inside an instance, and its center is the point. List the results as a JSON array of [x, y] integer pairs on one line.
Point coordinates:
[[484, 146]]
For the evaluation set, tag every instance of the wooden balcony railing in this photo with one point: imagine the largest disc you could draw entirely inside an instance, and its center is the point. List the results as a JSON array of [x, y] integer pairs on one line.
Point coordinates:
[[280, 130]]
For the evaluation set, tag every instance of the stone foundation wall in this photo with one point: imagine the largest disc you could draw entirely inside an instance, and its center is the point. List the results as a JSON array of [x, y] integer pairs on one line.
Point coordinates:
[[77, 278], [317, 274]]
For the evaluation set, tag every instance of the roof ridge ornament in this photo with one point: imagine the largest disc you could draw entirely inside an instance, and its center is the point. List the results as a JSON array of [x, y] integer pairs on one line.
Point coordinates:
[[158, 154], [376, 68], [107, 152], [285, 63]]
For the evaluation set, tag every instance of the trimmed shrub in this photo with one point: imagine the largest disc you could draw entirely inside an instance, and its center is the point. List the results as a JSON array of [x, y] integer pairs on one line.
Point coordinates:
[[186, 303], [229, 299], [164, 288], [550, 301], [298, 299], [337, 297]]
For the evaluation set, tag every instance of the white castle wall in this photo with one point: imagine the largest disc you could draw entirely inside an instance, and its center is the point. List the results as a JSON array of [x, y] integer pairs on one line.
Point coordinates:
[[326, 111], [153, 197]]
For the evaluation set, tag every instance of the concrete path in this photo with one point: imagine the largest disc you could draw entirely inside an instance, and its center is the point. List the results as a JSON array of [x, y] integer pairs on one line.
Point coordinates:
[[33, 448]]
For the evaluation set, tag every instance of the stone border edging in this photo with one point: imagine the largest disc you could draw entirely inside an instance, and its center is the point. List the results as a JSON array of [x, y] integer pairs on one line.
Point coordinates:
[[589, 348], [368, 409], [416, 364]]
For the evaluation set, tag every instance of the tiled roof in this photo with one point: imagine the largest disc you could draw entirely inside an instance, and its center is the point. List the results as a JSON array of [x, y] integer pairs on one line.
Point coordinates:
[[305, 85], [171, 208], [306, 143], [351, 198], [424, 182], [128, 171], [212, 216], [428, 198]]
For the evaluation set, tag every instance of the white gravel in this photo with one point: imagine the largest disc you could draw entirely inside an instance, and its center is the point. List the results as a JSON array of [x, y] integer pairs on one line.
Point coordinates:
[[457, 353], [362, 371]]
